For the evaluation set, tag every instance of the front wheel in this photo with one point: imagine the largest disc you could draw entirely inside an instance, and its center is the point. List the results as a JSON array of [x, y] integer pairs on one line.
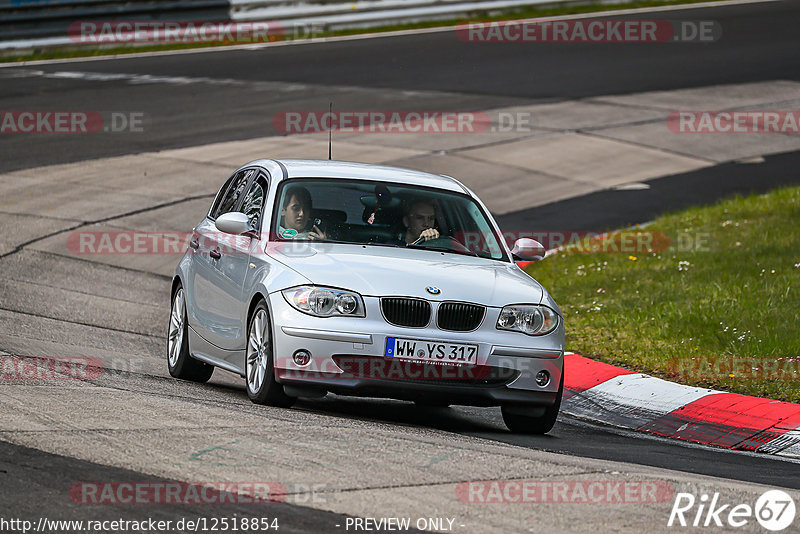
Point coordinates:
[[180, 363], [262, 388], [526, 424]]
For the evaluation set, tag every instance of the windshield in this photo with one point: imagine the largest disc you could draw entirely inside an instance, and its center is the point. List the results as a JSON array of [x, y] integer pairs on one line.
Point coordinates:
[[384, 214]]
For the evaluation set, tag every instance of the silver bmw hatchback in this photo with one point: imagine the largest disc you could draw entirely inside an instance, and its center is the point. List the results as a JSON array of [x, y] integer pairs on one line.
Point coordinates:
[[313, 277]]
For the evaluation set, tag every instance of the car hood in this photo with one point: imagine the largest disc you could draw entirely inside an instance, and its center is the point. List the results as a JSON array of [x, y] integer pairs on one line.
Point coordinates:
[[386, 271]]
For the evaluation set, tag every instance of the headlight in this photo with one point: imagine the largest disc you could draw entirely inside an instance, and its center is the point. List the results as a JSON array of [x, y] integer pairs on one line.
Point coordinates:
[[324, 302], [528, 319]]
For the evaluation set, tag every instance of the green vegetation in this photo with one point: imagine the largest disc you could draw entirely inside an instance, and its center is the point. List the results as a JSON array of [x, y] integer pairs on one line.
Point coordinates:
[[719, 306], [531, 12]]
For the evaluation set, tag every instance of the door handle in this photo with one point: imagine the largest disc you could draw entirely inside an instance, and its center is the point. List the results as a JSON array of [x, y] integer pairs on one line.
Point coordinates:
[[194, 243], [215, 254]]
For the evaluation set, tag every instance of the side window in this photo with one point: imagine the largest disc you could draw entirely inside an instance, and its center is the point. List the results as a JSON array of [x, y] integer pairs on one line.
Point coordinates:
[[220, 195], [233, 193], [253, 204]]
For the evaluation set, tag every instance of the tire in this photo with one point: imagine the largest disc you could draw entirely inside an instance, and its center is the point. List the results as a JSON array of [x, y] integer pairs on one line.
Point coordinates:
[[262, 388], [524, 424], [181, 364]]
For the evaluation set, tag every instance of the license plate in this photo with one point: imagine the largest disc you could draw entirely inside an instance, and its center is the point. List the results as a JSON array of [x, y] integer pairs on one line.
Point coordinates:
[[431, 351]]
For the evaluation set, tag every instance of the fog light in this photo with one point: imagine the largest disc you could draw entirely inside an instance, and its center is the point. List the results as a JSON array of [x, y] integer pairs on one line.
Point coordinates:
[[302, 357], [542, 378]]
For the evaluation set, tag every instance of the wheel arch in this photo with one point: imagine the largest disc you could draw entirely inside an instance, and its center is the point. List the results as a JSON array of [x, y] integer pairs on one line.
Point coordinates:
[[254, 300], [176, 281], [261, 295]]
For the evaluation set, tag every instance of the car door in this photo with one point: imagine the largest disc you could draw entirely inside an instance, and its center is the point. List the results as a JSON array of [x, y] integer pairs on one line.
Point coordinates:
[[235, 264], [220, 264]]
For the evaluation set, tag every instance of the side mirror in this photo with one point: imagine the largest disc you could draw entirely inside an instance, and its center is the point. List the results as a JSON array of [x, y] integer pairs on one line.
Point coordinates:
[[526, 249], [235, 223]]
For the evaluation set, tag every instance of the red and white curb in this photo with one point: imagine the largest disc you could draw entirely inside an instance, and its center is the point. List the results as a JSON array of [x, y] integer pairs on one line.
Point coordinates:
[[622, 398]]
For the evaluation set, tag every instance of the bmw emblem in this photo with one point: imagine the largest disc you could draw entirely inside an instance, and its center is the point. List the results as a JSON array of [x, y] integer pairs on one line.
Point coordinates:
[[433, 290]]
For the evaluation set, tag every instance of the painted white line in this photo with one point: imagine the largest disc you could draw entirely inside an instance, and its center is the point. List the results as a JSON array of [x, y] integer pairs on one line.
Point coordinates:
[[147, 79], [633, 186], [143, 79], [378, 35]]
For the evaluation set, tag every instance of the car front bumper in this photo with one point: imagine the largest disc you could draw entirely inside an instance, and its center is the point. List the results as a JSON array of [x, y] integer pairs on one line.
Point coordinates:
[[348, 357]]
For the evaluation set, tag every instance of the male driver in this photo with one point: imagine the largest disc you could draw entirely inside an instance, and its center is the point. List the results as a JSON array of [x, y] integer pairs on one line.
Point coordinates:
[[419, 220], [296, 216]]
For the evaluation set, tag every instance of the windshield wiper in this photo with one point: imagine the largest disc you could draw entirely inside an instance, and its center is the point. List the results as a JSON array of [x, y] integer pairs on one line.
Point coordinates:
[[443, 249], [420, 247]]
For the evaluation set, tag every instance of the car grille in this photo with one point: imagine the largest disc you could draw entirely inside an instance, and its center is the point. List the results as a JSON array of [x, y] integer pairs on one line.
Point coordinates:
[[414, 313], [459, 317]]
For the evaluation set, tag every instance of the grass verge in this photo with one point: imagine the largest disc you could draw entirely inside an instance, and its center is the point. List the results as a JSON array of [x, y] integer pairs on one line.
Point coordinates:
[[718, 307], [531, 12]]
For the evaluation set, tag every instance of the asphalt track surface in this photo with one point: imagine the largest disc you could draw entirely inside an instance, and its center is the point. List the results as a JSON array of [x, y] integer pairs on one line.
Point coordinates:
[[612, 209], [36, 484], [217, 96], [760, 44]]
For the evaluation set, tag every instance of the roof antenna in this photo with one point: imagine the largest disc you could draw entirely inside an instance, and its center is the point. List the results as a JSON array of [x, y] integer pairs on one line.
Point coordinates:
[[330, 129]]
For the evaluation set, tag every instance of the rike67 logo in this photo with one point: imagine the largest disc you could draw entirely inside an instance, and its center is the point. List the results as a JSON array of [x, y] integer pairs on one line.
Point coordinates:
[[774, 511]]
